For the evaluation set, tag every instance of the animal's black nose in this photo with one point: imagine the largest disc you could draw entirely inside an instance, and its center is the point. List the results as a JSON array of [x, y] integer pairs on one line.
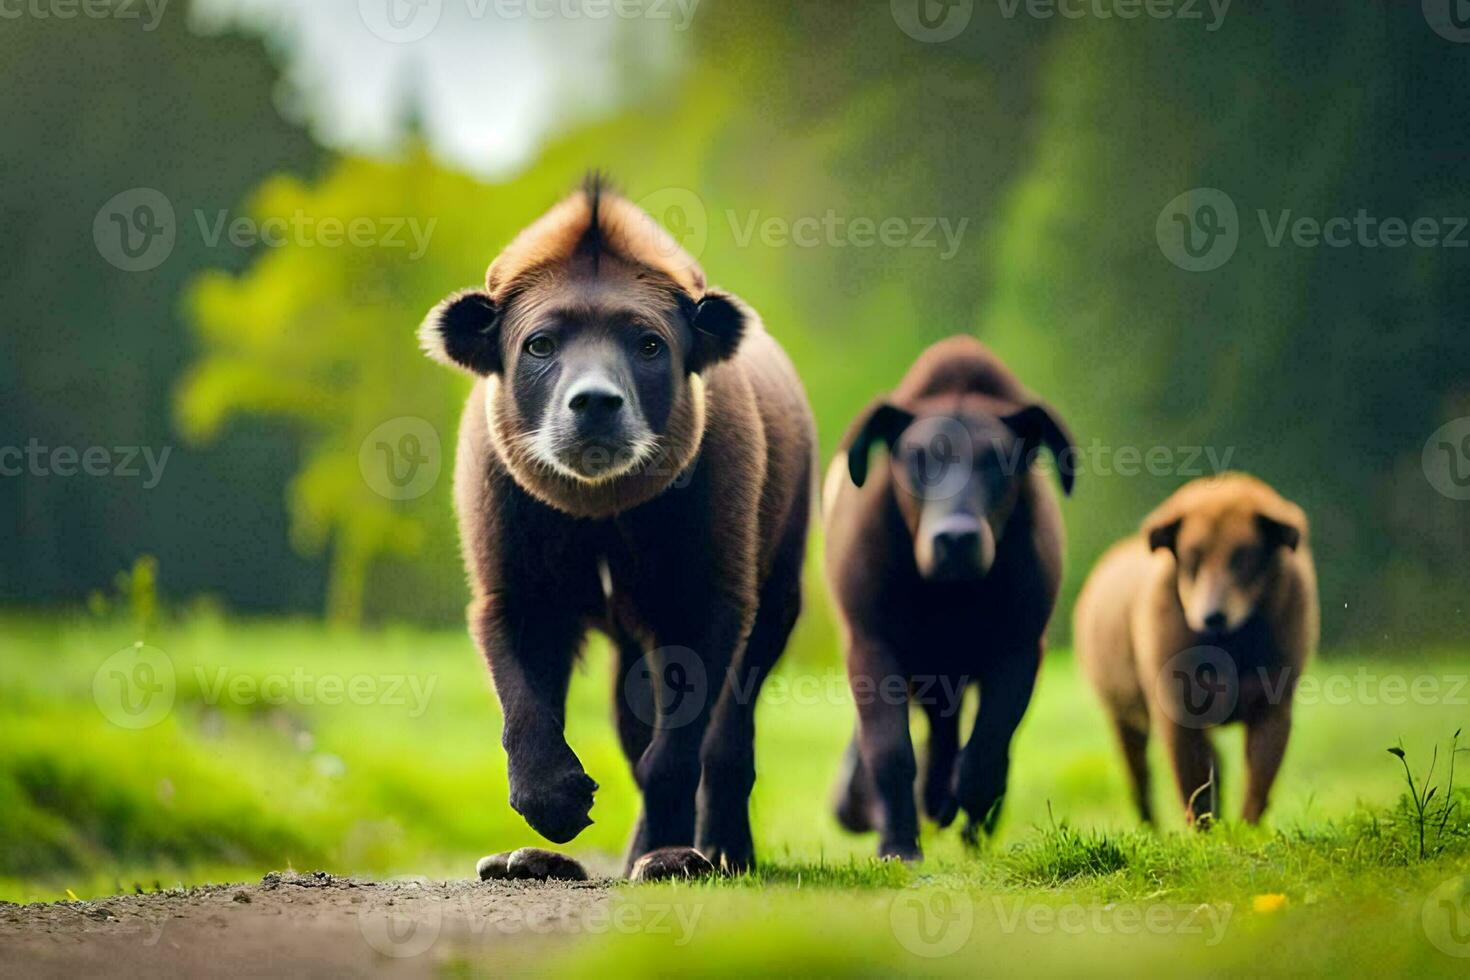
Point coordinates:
[[953, 547], [1215, 622], [595, 401]]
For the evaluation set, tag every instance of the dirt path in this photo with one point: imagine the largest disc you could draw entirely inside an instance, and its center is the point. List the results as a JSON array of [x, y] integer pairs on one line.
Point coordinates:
[[299, 924]]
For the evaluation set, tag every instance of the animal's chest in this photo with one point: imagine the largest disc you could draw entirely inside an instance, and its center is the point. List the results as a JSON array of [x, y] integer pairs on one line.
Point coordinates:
[[1255, 669], [647, 576]]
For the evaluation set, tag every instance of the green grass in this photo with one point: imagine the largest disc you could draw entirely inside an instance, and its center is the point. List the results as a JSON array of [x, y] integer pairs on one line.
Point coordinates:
[[407, 778]]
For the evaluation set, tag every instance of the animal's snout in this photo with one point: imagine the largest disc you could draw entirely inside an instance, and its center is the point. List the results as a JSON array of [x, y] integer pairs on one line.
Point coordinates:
[[1215, 623], [592, 400], [957, 549], [595, 404], [957, 546]]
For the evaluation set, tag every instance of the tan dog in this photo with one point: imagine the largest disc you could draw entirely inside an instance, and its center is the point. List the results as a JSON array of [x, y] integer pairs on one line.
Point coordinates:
[[1204, 618]]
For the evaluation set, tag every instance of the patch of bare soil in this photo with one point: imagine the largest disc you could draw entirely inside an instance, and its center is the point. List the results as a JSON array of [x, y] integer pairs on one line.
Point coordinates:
[[300, 924]]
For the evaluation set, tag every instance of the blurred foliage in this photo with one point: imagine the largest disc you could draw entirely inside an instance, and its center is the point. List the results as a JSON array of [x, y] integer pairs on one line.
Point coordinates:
[[1057, 142], [89, 354]]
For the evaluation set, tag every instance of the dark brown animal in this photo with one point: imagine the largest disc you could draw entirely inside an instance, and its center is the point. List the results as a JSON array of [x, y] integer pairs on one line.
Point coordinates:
[[636, 456], [945, 565], [1205, 617]]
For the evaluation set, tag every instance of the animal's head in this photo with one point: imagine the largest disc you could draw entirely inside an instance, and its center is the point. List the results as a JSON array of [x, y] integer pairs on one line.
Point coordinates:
[[958, 473], [1228, 535], [592, 331]]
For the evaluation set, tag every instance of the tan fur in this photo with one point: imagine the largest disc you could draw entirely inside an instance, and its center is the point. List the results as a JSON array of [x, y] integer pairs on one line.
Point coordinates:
[[1133, 639], [627, 232]]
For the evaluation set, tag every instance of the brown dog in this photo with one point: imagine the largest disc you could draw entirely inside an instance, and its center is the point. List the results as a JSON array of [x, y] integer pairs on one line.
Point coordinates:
[[945, 565], [1205, 617], [636, 456]]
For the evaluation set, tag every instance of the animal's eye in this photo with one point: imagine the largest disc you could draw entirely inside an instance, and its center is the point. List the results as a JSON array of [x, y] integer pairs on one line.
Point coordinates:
[[541, 346], [1243, 561], [650, 346], [1191, 563]]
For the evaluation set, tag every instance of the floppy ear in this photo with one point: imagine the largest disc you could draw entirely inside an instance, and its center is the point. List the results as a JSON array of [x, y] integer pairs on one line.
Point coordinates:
[[1037, 425], [1164, 534], [882, 423], [719, 324], [1283, 526], [464, 332], [1161, 528]]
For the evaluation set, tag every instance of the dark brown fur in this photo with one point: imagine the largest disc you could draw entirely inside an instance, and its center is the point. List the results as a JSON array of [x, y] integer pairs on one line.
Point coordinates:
[[934, 639], [1152, 667], [699, 547]]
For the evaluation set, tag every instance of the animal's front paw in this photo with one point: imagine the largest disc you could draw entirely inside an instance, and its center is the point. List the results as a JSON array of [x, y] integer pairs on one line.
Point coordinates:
[[671, 862], [905, 851], [732, 852], [530, 863], [978, 822], [556, 802], [981, 793], [940, 802]]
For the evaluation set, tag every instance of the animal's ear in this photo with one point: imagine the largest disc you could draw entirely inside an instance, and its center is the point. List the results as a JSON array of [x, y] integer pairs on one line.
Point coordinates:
[[1037, 425], [719, 321], [881, 422], [464, 332], [1161, 528], [1283, 527]]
